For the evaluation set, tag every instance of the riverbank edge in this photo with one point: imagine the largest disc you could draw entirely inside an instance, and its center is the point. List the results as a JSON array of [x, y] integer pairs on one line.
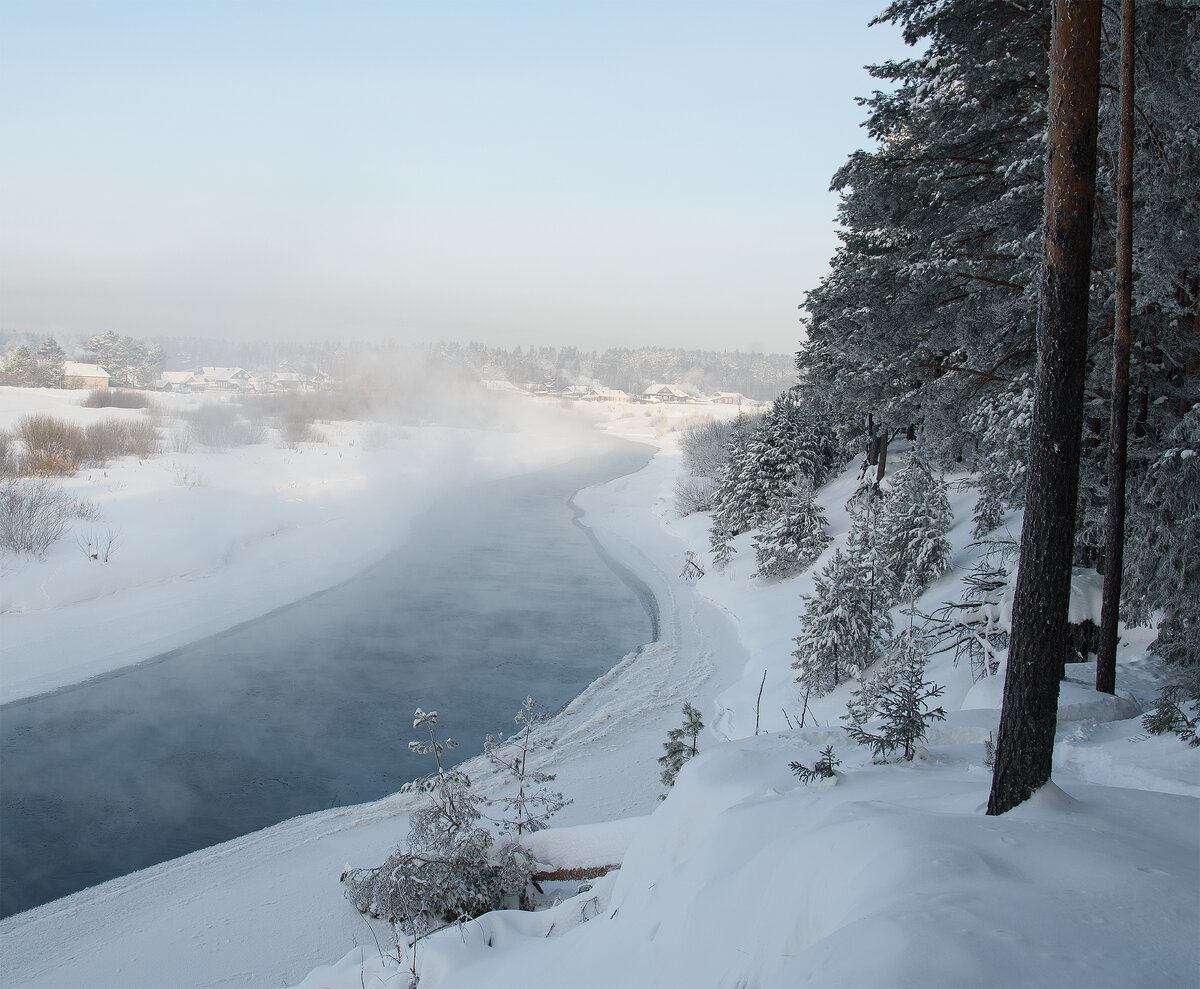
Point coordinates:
[[124, 911]]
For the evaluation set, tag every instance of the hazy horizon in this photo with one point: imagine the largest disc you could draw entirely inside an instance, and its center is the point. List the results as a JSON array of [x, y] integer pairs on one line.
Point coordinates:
[[596, 175]]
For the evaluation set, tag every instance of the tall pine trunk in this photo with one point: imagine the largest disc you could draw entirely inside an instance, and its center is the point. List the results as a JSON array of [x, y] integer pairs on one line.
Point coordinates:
[[1114, 549], [1038, 643]]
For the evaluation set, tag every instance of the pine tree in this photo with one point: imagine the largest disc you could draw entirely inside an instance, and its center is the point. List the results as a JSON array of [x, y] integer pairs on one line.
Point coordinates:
[[914, 520], [841, 628], [681, 745], [1025, 744]]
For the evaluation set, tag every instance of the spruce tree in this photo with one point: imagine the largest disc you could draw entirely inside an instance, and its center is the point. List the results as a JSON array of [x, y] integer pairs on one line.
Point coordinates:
[[842, 627], [898, 695], [914, 520], [794, 537]]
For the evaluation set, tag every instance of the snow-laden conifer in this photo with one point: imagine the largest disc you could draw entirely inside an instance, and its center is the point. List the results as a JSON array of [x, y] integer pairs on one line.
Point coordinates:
[[913, 524], [841, 628], [794, 537]]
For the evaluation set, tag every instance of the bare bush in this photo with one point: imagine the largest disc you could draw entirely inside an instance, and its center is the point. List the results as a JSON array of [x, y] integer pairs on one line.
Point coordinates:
[[115, 437], [118, 398], [106, 439], [52, 446], [9, 465], [34, 514], [695, 494], [144, 440], [222, 426]]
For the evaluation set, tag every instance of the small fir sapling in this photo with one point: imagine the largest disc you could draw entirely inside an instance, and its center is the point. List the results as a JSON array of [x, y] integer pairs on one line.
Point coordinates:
[[681, 745], [898, 697], [823, 768]]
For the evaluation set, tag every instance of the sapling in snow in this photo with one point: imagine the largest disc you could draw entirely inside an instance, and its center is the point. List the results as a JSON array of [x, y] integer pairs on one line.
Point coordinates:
[[443, 874], [822, 769], [896, 699], [532, 806], [681, 744]]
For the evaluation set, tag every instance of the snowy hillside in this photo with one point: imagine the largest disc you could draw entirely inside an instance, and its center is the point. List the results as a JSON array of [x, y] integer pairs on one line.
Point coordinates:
[[882, 875]]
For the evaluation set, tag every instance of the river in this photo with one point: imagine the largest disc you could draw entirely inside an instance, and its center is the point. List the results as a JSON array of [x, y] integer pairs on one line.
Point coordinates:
[[498, 593]]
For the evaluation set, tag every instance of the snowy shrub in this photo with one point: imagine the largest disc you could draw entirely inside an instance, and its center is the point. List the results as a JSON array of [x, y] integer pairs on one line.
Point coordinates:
[[34, 514], [692, 570], [681, 745], [841, 628], [822, 768], [794, 538], [897, 695], [694, 494], [52, 446], [9, 464], [113, 437], [443, 875], [116, 398], [703, 448], [221, 426]]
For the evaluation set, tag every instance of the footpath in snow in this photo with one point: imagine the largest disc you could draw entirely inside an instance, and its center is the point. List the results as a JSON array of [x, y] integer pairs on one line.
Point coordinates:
[[885, 875]]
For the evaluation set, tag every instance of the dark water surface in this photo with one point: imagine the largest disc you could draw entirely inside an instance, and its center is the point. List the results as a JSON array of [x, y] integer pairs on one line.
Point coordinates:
[[497, 594]]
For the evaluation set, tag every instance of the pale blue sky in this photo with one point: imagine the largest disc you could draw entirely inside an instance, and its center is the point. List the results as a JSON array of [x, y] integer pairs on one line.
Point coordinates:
[[573, 172]]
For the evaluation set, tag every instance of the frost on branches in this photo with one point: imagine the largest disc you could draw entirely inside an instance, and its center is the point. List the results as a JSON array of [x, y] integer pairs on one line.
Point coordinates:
[[448, 871], [913, 523], [795, 537], [895, 700], [532, 806], [841, 628]]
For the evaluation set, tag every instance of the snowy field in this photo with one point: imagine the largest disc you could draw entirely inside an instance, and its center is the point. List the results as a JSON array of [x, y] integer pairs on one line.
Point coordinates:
[[886, 875]]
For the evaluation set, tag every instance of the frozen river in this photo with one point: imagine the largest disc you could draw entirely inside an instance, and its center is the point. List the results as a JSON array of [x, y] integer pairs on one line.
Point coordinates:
[[497, 594]]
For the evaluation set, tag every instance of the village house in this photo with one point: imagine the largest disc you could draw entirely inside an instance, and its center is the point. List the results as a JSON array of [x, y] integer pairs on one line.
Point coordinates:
[[76, 375], [658, 392]]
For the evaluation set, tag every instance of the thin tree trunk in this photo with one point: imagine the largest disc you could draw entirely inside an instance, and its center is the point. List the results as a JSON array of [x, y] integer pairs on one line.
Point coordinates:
[[1038, 642], [1114, 550]]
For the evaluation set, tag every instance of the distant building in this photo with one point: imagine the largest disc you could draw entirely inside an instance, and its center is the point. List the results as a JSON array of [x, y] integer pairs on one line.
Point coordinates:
[[226, 379], [76, 375], [730, 398], [658, 392], [179, 381]]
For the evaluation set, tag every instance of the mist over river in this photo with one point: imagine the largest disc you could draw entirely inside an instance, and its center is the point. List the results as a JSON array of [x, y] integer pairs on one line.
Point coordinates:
[[497, 594]]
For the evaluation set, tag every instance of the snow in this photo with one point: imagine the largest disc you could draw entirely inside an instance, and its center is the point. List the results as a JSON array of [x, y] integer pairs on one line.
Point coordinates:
[[887, 875]]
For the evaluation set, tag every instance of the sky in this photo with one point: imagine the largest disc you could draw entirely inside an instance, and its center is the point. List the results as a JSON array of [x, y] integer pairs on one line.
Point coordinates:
[[583, 172]]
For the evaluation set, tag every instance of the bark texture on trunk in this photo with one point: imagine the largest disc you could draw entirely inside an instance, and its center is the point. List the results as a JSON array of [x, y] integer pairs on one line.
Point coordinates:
[[1114, 547], [1025, 744]]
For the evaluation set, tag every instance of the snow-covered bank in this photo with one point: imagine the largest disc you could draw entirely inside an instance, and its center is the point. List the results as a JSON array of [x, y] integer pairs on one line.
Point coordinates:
[[203, 539], [890, 875]]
